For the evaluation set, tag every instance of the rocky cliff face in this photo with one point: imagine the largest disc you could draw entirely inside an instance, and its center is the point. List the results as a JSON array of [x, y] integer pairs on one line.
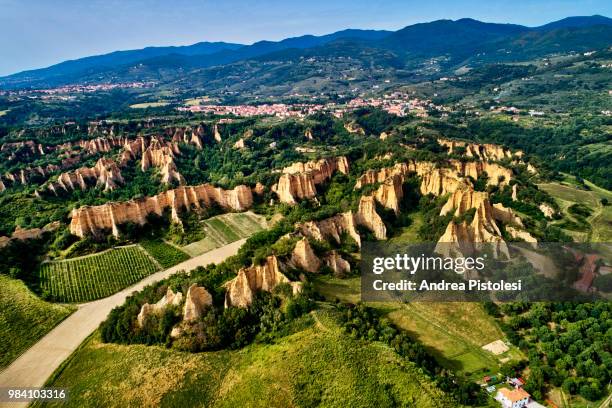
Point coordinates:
[[93, 220], [521, 235], [22, 234], [497, 174], [340, 266], [483, 228], [547, 210], [30, 147], [390, 193], [241, 289], [25, 176], [161, 157], [435, 179], [304, 257], [240, 144], [368, 217], [299, 180], [196, 301], [480, 151], [170, 298], [216, 133], [463, 239], [331, 228], [101, 144], [104, 174]]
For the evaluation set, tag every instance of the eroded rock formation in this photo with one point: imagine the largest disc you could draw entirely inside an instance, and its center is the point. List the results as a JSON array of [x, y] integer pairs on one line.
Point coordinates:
[[390, 193], [196, 301], [22, 234], [332, 228], [161, 157], [464, 237], [241, 289], [368, 217], [104, 174], [485, 151], [547, 210], [353, 127], [497, 174], [521, 235], [299, 180], [336, 263], [92, 220], [170, 298], [304, 257]]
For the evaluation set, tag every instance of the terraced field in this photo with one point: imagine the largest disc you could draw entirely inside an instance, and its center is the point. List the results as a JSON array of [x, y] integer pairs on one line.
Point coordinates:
[[96, 276], [223, 229]]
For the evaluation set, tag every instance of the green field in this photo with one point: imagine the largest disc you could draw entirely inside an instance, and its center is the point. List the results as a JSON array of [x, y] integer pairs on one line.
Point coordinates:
[[454, 332], [224, 229], [145, 105], [165, 254], [568, 193], [318, 365], [24, 319], [96, 276]]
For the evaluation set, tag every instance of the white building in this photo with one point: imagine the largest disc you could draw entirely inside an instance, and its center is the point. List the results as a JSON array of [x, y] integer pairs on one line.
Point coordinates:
[[516, 398]]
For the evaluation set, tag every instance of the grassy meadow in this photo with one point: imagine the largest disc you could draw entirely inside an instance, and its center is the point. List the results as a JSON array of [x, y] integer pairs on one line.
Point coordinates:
[[24, 319], [316, 365], [454, 332]]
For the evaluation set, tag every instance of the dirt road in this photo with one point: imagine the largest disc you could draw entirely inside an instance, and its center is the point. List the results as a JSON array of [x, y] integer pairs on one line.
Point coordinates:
[[37, 364]]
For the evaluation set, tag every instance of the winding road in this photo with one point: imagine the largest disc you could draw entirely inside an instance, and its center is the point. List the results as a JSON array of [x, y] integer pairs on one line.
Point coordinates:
[[35, 366]]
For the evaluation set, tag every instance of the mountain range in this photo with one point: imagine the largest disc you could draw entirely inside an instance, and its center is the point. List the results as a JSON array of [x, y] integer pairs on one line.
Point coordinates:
[[453, 43]]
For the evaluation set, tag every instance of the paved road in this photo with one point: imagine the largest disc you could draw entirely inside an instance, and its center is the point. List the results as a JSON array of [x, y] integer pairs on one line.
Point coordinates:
[[37, 364]]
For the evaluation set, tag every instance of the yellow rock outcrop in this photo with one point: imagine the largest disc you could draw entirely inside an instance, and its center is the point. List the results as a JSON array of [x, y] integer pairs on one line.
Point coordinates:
[[170, 298], [390, 193], [304, 257], [161, 157], [337, 264], [331, 228], [522, 235], [104, 174], [480, 151], [368, 217], [241, 289], [196, 301], [92, 220], [497, 174], [483, 228], [299, 180]]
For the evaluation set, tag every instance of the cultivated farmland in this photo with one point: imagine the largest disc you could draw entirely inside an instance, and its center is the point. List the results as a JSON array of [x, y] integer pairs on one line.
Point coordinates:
[[165, 254], [95, 276], [223, 229]]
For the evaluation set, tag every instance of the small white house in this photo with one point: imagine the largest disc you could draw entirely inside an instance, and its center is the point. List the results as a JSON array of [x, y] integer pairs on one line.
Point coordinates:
[[516, 398]]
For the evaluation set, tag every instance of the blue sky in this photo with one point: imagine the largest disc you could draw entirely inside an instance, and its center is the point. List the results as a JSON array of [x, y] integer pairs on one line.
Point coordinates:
[[38, 33]]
